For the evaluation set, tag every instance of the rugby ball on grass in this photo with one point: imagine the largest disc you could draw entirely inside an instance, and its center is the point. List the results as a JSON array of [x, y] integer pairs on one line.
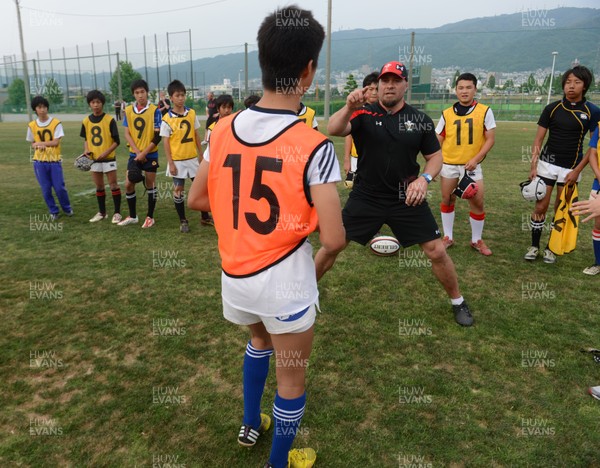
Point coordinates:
[[384, 246]]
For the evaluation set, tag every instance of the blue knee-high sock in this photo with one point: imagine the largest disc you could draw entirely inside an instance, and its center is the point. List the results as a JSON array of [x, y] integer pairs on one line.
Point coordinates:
[[256, 369], [596, 242], [288, 414]]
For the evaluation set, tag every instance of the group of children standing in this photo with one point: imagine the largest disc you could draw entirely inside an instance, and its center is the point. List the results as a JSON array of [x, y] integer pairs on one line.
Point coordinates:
[[145, 126]]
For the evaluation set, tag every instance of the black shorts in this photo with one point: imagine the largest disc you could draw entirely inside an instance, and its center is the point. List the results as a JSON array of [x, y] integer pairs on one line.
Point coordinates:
[[363, 218]]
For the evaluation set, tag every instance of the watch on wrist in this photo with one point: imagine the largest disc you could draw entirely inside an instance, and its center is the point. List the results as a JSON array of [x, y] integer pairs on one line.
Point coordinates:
[[427, 177]]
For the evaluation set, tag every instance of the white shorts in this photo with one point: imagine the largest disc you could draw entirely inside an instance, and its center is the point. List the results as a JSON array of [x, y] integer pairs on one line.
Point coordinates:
[[186, 169], [353, 163], [104, 167], [456, 171], [553, 172], [295, 323]]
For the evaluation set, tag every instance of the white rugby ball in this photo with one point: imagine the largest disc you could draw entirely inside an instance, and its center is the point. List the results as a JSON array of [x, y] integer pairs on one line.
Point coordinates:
[[384, 246]]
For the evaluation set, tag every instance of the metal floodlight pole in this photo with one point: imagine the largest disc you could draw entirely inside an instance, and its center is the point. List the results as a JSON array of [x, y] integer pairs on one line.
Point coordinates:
[[246, 69], [328, 64], [79, 69], [191, 63], [410, 69], [145, 61], [169, 56], [51, 64], [94, 67], [25, 72], [66, 76], [554, 54], [119, 78], [156, 62]]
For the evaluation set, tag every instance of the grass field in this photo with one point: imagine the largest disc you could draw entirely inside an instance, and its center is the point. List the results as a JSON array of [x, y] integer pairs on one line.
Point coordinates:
[[113, 350]]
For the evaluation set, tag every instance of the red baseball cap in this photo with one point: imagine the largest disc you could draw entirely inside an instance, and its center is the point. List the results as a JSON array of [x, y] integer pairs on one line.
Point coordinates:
[[397, 68]]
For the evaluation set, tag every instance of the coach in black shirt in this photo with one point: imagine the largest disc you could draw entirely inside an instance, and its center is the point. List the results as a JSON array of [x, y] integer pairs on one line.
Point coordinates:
[[388, 189]]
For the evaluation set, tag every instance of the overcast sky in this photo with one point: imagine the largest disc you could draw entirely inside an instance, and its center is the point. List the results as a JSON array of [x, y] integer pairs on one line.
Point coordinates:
[[219, 23]]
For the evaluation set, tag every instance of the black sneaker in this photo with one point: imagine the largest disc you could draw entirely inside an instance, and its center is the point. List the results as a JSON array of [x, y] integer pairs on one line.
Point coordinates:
[[184, 226], [248, 435], [462, 314]]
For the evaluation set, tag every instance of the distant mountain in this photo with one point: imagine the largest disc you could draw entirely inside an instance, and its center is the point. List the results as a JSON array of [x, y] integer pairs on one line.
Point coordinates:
[[521, 41]]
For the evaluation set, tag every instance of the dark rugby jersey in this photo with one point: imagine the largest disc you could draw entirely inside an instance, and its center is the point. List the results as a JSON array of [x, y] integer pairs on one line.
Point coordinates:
[[567, 126], [388, 145]]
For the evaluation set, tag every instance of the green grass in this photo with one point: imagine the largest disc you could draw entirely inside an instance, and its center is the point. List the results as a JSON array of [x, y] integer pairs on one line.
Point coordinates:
[[477, 398]]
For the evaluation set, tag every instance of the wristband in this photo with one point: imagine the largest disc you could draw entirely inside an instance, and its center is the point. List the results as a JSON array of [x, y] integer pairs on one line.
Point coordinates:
[[427, 177]]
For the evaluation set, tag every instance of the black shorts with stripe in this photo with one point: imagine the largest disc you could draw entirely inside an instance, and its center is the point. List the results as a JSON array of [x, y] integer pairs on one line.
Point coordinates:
[[363, 217]]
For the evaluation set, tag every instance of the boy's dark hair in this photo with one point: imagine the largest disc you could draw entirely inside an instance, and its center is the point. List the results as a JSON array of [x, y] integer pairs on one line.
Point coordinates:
[[370, 79], [288, 40], [467, 77], [175, 86], [224, 100], [95, 94], [251, 100], [581, 72], [36, 101], [139, 84]]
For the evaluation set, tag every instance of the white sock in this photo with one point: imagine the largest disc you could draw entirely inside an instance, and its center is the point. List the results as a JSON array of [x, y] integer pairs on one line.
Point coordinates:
[[447, 219], [457, 301], [476, 227]]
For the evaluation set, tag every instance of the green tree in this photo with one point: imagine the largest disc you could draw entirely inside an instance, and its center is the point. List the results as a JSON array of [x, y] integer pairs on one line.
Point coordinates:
[[531, 85], [491, 83], [351, 84], [53, 92], [509, 85], [128, 76], [456, 75], [16, 94]]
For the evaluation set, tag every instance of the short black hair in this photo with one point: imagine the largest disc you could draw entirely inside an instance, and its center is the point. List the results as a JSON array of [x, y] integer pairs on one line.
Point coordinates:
[[224, 100], [251, 100], [467, 77], [135, 84], [581, 72], [370, 79], [36, 101], [175, 86], [288, 40], [95, 94]]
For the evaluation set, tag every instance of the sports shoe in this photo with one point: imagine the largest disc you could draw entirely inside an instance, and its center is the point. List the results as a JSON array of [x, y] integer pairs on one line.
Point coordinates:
[[302, 458], [128, 220], [117, 218], [532, 253], [184, 226], [549, 256], [69, 213], [592, 270], [481, 248], [248, 435], [148, 223], [447, 242], [207, 221], [595, 392], [98, 217], [53, 216], [462, 314]]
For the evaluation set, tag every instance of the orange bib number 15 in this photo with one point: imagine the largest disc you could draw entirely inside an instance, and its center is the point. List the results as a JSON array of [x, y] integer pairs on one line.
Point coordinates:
[[258, 192]]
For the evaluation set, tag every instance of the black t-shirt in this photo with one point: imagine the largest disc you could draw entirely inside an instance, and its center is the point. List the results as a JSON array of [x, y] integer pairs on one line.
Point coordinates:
[[567, 125], [162, 106], [211, 106], [388, 145]]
